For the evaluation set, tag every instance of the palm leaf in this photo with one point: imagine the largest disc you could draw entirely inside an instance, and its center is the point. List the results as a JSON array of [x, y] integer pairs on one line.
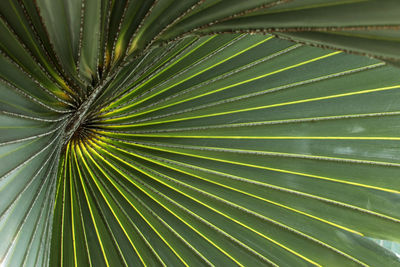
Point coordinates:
[[169, 133]]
